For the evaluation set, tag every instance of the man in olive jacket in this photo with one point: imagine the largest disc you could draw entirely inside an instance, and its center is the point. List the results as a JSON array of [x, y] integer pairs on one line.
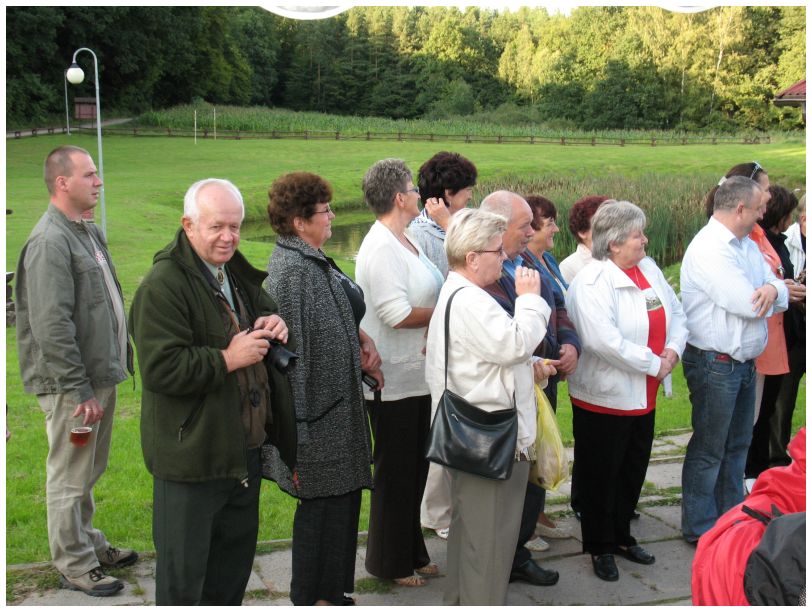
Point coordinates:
[[202, 324], [73, 351]]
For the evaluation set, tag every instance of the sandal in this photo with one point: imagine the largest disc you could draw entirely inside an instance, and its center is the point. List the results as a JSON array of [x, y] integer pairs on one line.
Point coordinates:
[[410, 581], [429, 570]]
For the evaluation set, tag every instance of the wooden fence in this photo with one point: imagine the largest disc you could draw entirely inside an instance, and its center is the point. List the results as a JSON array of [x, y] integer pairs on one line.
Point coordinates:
[[407, 137]]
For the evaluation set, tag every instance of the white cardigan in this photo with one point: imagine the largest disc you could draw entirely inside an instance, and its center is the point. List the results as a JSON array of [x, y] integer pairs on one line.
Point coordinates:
[[394, 281], [796, 251], [489, 356], [609, 313]]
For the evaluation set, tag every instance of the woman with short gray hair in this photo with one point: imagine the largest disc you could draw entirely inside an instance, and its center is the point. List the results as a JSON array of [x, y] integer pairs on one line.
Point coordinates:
[[400, 288], [633, 331], [489, 364]]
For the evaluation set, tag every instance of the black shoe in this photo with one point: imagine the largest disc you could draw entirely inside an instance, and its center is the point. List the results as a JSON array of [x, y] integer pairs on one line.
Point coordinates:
[[605, 568], [635, 515], [533, 573], [638, 554]]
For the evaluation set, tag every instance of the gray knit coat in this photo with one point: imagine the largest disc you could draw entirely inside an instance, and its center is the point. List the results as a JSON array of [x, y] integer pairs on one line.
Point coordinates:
[[334, 442]]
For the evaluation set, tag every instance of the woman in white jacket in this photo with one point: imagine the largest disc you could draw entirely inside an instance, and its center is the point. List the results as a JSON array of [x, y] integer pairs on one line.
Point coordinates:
[[633, 331], [489, 364]]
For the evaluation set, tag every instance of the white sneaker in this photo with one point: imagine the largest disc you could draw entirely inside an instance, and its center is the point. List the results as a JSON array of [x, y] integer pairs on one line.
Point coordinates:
[[537, 545], [556, 533], [442, 533]]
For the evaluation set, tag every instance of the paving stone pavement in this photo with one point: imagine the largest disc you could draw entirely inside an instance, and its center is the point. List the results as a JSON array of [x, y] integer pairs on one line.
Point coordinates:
[[667, 582]]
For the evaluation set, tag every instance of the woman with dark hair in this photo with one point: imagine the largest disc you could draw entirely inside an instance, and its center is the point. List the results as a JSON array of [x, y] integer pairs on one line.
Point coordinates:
[[776, 220], [446, 183], [752, 170], [781, 425], [333, 454], [580, 224], [400, 290]]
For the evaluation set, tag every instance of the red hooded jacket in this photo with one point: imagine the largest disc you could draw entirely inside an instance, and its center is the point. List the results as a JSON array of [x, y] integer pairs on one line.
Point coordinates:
[[717, 576]]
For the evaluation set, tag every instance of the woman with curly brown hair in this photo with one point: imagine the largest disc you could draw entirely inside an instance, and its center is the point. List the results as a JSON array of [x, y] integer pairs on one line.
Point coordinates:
[[324, 307]]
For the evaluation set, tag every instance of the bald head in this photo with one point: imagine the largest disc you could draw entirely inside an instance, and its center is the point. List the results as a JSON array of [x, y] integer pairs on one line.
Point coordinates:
[[516, 210]]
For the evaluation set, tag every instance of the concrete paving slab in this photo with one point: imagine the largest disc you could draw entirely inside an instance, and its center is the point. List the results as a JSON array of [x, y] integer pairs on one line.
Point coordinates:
[[275, 570], [670, 515], [665, 475], [147, 585], [670, 576], [64, 597], [255, 583]]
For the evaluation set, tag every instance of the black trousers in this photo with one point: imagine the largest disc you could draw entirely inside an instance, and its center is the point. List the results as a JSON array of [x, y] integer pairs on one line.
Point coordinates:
[[781, 422], [325, 539], [395, 547], [205, 538], [533, 504], [612, 454], [758, 455]]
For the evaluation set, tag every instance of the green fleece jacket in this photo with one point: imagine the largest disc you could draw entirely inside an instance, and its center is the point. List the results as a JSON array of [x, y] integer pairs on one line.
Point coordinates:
[[191, 426]]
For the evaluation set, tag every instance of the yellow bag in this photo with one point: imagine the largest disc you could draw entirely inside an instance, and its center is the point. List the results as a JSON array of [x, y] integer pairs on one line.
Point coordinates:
[[551, 468]]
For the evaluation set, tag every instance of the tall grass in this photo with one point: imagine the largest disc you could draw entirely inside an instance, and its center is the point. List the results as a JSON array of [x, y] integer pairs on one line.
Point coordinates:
[[672, 205], [263, 119]]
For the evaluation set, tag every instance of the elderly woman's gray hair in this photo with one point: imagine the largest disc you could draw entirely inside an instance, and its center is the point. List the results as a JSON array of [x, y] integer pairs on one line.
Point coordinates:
[[612, 224], [382, 182], [471, 229]]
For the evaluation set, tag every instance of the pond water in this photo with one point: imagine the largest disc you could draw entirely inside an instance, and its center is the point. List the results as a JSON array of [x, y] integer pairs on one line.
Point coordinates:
[[349, 229]]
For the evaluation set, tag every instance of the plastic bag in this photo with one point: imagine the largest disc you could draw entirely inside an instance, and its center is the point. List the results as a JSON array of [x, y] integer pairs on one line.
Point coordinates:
[[551, 468]]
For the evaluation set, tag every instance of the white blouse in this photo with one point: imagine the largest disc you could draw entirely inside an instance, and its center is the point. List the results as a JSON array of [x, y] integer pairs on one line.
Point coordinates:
[[394, 281]]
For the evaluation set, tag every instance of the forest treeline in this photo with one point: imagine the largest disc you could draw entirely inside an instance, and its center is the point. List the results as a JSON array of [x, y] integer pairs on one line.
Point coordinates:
[[597, 68]]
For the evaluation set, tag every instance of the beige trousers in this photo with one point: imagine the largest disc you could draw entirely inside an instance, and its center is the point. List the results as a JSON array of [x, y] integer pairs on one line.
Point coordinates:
[[485, 520], [435, 509], [70, 473]]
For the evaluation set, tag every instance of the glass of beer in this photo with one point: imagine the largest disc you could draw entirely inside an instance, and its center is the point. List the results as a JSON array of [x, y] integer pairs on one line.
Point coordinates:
[[80, 433]]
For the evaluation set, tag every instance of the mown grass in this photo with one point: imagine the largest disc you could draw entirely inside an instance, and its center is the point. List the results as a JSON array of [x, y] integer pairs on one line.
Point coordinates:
[[264, 119], [145, 183]]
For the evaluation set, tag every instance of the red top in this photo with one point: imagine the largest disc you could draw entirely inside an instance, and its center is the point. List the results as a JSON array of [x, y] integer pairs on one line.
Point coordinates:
[[656, 342]]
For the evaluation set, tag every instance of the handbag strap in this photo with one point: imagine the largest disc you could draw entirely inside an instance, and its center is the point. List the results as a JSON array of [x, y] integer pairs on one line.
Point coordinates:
[[447, 314]]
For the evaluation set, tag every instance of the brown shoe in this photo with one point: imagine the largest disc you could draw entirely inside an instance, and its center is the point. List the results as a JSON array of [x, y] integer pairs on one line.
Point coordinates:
[[94, 583], [117, 557]]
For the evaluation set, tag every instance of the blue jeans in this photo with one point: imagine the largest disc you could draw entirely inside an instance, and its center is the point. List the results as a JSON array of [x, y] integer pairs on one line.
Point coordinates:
[[722, 393]]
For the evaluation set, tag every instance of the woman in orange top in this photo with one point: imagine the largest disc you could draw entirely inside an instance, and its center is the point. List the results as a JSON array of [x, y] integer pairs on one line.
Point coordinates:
[[769, 232]]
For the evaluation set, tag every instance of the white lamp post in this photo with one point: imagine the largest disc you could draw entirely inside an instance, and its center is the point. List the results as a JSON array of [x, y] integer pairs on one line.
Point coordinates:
[[76, 75]]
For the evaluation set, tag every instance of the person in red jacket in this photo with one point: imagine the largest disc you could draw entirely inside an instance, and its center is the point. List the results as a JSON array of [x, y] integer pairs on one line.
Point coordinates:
[[717, 576]]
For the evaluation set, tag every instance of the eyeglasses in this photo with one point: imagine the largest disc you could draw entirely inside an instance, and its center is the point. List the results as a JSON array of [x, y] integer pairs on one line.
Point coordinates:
[[327, 210], [413, 189], [500, 251], [756, 168]]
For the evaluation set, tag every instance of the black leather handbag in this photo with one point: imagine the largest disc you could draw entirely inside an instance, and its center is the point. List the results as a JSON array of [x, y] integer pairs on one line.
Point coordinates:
[[467, 438]]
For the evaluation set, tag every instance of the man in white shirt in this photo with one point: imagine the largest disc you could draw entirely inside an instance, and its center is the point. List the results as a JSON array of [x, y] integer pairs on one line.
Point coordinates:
[[728, 291]]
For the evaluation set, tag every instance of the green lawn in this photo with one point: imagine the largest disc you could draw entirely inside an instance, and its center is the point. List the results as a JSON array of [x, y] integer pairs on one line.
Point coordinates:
[[145, 182]]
